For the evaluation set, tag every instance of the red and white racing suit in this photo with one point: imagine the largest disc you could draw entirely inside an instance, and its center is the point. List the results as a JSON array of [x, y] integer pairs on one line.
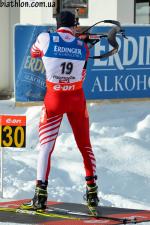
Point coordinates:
[[64, 57]]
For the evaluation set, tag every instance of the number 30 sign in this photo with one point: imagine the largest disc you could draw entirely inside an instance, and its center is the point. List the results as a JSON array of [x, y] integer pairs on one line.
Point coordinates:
[[12, 131]]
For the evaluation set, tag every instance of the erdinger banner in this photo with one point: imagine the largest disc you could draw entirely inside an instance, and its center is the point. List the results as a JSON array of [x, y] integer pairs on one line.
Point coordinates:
[[123, 75], [29, 72]]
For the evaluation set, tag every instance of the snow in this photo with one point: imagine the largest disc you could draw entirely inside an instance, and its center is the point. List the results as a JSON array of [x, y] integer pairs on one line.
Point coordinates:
[[120, 136]]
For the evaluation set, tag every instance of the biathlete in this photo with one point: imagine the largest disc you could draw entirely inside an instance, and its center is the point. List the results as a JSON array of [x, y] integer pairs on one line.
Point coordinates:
[[64, 57]]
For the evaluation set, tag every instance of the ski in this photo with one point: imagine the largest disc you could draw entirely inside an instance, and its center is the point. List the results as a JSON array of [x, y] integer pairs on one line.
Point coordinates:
[[38, 212], [78, 213], [66, 214], [62, 213], [96, 216]]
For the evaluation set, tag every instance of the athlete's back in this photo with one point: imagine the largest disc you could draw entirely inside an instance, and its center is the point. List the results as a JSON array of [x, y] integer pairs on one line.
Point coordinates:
[[64, 57]]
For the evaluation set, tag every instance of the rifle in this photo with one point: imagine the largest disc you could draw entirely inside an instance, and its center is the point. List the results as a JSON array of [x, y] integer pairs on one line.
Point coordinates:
[[91, 39]]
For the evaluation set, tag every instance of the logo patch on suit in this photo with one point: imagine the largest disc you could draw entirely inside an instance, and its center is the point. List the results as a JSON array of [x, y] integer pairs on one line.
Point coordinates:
[[80, 43], [55, 39]]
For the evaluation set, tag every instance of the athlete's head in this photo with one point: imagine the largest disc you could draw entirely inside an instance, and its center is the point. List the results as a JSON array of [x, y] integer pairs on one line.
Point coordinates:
[[66, 19]]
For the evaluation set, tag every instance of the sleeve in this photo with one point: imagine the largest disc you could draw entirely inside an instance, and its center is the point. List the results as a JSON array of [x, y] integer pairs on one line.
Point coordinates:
[[40, 47]]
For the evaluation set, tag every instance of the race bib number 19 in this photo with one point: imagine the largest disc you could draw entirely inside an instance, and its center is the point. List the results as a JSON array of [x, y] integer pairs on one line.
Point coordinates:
[[13, 131]]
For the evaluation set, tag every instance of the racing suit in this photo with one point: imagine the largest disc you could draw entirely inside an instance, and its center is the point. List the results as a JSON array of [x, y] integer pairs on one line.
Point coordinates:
[[64, 57]]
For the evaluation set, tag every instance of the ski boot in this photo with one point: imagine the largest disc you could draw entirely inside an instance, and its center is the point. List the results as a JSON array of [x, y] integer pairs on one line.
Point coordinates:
[[39, 200], [91, 196]]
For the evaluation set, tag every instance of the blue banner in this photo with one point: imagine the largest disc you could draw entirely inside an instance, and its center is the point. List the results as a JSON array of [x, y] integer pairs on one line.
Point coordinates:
[[29, 72], [123, 75]]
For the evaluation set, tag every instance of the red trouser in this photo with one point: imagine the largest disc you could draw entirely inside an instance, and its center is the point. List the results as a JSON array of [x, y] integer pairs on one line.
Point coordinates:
[[55, 105]]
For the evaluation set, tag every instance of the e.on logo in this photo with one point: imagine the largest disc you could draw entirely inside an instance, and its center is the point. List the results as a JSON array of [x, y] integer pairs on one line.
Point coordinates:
[[14, 121], [59, 87]]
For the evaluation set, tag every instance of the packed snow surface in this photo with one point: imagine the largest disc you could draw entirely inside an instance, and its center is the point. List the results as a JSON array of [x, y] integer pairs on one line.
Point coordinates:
[[120, 136]]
